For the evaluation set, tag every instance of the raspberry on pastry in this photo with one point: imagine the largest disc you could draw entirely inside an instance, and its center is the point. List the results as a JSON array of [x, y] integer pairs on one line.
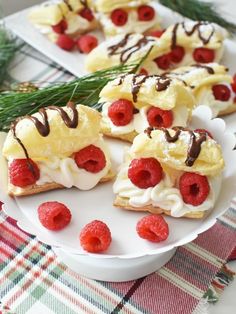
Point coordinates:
[[174, 171], [119, 17], [121, 112], [146, 13], [221, 92], [159, 118], [54, 148], [86, 43], [60, 27], [204, 55]]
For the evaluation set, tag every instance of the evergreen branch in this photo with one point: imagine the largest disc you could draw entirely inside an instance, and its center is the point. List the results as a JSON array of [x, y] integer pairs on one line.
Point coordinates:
[[84, 90], [199, 11]]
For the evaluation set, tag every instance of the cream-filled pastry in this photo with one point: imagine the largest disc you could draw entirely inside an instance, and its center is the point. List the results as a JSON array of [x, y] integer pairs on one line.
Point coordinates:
[[124, 17], [211, 85], [122, 49], [54, 148], [173, 171], [187, 43], [131, 103], [69, 17]]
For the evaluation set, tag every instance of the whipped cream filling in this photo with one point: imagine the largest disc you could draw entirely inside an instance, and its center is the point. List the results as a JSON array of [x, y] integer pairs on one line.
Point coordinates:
[[206, 97], [65, 171], [164, 195], [140, 122], [133, 25]]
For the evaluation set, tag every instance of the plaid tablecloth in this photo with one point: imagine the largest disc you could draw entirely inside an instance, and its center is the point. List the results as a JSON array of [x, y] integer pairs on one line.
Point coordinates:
[[33, 280]]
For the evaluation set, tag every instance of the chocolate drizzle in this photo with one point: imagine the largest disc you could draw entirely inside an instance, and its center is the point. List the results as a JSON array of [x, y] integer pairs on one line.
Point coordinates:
[[196, 27], [207, 68], [194, 148], [162, 83], [126, 53], [43, 127]]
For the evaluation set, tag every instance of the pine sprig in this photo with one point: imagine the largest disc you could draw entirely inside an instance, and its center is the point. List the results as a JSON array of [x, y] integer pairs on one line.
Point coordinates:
[[8, 48], [84, 90], [199, 11]]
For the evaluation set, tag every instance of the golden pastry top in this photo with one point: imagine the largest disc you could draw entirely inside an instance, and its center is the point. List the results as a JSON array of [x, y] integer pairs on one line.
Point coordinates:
[[121, 49], [180, 149], [56, 131], [155, 90], [198, 75], [192, 34], [105, 6], [52, 14]]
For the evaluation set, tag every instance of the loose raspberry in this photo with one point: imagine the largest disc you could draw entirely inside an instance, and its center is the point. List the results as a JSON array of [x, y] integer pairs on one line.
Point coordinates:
[[233, 86], [60, 27], [95, 237], [121, 112], [65, 42], [203, 131], [90, 158], [23, 172], [87, 43], [54, 215], [221, 92], [145, 13], [159, 118], [204, 55], [87, 14], [177, 54], [163, 62], [145, 172], [119, 17], [143, 72], [194, 188], [153, 228], [157, 33]]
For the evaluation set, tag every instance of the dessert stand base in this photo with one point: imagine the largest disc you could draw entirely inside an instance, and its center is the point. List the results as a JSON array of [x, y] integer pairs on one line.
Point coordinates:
[[113, 269]]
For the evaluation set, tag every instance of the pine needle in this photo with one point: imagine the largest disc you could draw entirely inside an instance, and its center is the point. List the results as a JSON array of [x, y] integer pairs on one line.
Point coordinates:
[[84, 90], [199, 11]]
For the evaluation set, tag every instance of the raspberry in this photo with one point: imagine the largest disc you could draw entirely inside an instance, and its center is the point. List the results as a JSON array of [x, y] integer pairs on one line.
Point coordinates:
[[143, 72], [87, 14], [23, 172], [157, 33], [145, 13], [203, 131], [65, 42], [119, 17], [204, 55], [153, 228], [159, 118], [233, 86], [221, 92], [163, 62], [177, 54], [194, 188], [121, 112], [87, 43], [95, 237], [145, 172], [60, 27], [90, 158], [54, 215]]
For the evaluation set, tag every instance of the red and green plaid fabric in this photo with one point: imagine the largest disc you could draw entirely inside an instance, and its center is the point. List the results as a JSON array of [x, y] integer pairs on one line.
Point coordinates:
[[33, 280]]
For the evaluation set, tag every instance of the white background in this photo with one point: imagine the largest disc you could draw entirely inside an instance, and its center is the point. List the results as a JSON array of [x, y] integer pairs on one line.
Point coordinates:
[[227, 303]]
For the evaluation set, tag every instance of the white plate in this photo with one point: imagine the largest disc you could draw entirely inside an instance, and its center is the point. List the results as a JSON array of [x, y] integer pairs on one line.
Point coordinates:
[[97, 204], [74, 61]]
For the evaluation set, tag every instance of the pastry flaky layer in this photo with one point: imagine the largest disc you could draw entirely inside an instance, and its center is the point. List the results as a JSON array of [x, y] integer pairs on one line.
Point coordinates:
[[122, 49], [50, 138], [168, 94], [179, 152], [203, 78]]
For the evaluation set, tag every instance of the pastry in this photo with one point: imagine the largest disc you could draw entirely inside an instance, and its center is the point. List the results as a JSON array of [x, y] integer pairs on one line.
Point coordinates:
[[124, 17], [69, 17], [131, 103], [119, 49], [55, 148], [187, 43], [211, 85], [173, 171]]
